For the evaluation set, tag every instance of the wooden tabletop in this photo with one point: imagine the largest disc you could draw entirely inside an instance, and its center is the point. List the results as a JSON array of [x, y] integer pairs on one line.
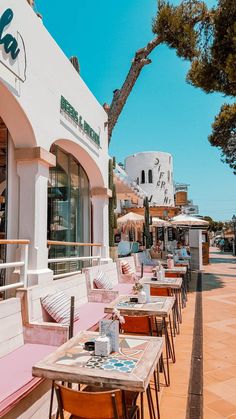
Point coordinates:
[[158, 306], [174, 283], [129, 369]]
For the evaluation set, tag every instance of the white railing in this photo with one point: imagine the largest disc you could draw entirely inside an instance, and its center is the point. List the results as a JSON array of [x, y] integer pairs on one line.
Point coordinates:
[[92, 258], [22, 264]]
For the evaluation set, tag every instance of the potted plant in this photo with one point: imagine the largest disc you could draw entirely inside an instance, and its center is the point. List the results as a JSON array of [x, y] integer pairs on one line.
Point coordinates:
[[139, 291]]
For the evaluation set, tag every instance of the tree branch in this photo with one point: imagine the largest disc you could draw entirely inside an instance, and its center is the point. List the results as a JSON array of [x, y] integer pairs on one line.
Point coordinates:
[[120, 96]]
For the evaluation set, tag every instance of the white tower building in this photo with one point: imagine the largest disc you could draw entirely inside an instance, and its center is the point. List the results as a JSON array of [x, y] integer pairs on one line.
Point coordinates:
[[153, 171]]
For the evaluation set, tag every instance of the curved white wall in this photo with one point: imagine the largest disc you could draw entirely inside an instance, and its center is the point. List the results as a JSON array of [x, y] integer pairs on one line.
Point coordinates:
[[30, 105], [161, 190]]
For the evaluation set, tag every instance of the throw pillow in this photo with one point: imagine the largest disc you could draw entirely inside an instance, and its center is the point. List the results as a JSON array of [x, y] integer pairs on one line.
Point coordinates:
[[58, 307], [126, 268], [103, 282]]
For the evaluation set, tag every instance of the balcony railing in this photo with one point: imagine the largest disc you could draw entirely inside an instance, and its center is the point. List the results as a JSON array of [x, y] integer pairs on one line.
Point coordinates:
[[63, 259], [22, 264]]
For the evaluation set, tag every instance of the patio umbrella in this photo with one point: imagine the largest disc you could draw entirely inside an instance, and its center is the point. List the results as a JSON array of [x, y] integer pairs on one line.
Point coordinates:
[[184, 220], [131, 218], [158, 222]]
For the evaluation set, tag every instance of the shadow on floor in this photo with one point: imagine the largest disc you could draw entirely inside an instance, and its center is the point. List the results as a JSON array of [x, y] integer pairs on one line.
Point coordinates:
[[221, 257], [209, 282], [212, 281]]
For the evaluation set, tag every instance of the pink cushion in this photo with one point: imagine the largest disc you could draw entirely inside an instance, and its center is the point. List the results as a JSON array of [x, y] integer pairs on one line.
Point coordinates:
[[16, 367], [123, 288], [102, 281], [126, 268], [90, 314], [57, 305]]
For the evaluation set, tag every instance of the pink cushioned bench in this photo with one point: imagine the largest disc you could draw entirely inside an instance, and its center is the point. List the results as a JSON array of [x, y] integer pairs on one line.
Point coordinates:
[[120, 286], [16, 372], [16, 356]]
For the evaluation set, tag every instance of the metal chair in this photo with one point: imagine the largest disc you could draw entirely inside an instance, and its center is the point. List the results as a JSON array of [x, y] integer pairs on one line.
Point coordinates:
[[89, 405], [145, 325]]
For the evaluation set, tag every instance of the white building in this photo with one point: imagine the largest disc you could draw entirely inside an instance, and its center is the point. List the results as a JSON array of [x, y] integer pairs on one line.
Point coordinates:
[[153, 171], [53, 144]]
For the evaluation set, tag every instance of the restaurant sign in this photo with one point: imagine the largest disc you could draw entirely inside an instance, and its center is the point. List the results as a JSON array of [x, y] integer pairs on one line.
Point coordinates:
[[12, 48], [70, 112]]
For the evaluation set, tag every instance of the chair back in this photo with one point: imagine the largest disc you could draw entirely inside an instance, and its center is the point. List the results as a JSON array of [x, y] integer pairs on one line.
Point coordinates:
[[124, 248], [141, 325], [172, 275], [160, 291], [89, 405]]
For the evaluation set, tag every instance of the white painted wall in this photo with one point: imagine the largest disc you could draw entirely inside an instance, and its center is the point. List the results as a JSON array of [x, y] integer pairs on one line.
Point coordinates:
[[30, 107], [161, 164], [49, 74]]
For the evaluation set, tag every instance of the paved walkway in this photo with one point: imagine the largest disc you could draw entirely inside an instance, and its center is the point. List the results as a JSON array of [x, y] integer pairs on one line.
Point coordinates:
[[219, 345]]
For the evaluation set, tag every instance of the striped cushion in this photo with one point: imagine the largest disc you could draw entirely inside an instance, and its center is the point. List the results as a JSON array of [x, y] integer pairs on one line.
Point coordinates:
[[58, 307], [103, 282], [126, 268]]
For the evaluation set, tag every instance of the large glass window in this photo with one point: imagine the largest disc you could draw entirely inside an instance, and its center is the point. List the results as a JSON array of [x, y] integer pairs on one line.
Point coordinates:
[[69, 210]]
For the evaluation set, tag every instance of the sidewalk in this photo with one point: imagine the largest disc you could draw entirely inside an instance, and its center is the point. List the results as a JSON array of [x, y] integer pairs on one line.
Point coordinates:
[[219, 345], [219, 303]]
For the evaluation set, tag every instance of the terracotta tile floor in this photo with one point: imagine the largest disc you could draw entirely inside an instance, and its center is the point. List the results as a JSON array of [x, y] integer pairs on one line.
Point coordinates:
[[219, 345]]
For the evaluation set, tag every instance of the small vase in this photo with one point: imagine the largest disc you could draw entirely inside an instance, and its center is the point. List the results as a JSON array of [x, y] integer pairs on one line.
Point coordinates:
[[102, 346], [142, 297], [170, 263]]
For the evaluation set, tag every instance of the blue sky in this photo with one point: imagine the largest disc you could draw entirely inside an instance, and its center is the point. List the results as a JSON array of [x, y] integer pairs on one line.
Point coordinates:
[[163, 112]]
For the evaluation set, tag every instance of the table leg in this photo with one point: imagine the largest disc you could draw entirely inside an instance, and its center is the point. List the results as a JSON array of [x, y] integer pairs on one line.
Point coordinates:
[[157, 388], [141, 406], [150, 403], [51, 400], [172, 340], [176, 311], [167, 352]]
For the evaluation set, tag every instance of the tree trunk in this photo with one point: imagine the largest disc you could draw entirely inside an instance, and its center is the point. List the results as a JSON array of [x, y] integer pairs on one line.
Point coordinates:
[[121, 95]]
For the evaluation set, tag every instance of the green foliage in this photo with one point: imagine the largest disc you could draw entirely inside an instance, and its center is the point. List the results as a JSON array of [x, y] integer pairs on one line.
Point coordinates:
[[175, 25], [146, 232], [224, 134], [214, 225], [206, 37]]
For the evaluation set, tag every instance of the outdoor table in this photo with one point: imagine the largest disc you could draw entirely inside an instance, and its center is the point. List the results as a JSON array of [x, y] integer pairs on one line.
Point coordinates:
[[157, 307], [182, 271], [174, 284], [137, 360]]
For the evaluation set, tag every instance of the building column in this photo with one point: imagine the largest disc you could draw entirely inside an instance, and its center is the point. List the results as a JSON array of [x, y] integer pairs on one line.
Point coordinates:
[[195, 243], [33, 171], [100, 202]]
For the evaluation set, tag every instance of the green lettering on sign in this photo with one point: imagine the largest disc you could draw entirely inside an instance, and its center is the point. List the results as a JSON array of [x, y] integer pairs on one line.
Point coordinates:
[[75, 117]]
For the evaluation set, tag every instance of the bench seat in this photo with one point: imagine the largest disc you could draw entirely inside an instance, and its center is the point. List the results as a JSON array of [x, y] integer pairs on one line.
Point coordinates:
[[123, 288], [16, 369], [89, 316]]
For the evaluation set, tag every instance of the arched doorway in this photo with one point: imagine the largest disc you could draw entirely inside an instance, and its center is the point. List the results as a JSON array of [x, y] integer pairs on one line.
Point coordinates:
[[69, 209]]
